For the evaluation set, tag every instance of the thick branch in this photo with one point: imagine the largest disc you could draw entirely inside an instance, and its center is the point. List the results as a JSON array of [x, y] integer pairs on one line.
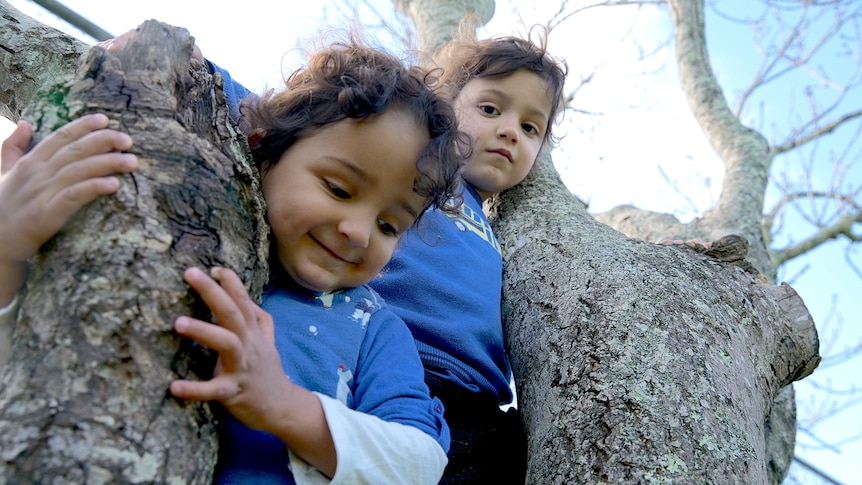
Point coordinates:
[[32, 54], [437, 21], [83, 398], [635, 360], [745, 152]]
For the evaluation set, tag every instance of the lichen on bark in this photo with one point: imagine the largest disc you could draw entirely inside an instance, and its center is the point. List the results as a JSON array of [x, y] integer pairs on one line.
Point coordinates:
[[85, 394]]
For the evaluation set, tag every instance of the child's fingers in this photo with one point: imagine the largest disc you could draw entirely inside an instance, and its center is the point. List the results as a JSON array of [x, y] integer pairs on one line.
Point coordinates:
[[215, 389], [210, 335], [15, 146], [119, 42], [82, 149], [94, 166], [70, 200], [224, 309], [234, 287], [63, 194], [80, 182], [265, 323], [68, 134]]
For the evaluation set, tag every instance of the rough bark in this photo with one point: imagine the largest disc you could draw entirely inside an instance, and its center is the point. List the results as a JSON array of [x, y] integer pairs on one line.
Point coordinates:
[[635, 362], [84, 396], [535, 268], [31, 55], [739, 210]]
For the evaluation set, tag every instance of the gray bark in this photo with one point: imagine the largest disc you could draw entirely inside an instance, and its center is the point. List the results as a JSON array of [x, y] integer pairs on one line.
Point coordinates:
[[437, 21], [84, 396], [739, 210], [32, 55], [636, 362]]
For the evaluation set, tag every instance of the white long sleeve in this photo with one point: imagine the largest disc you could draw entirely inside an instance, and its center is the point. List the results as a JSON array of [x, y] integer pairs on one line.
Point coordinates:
[[373, 451]]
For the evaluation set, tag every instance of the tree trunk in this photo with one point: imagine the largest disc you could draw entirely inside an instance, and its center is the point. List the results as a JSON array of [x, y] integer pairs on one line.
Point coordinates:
[[739, 210], [437, 21], [636, 362], [33, 55], [636, 331], [84, 397]]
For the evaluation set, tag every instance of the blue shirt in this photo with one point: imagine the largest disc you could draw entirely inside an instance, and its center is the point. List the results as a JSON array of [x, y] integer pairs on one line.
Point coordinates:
[[349, 346], [445, 282]]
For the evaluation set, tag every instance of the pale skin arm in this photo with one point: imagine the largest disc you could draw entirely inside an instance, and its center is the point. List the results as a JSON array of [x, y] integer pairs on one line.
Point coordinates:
[[40, 190], [248, 380]]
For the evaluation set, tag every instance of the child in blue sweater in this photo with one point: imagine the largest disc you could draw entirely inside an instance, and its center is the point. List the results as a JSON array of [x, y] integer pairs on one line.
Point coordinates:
[[322, 381], [445, 278]]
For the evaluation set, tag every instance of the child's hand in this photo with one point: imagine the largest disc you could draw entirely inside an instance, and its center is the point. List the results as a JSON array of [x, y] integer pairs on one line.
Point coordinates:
[[42, 189], [248, 380], [692, 243]]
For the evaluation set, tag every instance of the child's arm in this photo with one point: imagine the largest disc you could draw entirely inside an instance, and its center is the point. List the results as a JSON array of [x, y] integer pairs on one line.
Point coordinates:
[[396, 432], [42, 189], [371, 450], [249, 380], [400, 443]]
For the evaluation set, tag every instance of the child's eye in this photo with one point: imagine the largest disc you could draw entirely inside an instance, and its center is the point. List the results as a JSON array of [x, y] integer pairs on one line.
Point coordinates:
[[387, 228], [530, 128], [488, 109], [336, 190]]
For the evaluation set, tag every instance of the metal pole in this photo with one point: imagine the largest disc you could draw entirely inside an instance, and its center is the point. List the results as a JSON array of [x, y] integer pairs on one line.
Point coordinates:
[[74, 19]]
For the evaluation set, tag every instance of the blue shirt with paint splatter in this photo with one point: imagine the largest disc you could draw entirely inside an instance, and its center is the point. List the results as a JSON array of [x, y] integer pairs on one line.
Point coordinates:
[[345, 344]]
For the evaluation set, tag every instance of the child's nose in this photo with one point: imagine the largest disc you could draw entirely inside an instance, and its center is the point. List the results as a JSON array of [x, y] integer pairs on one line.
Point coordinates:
[[508, 129], [357, 230]]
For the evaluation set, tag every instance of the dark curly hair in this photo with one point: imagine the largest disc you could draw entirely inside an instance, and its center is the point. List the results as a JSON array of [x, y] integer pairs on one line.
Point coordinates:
[[465, 58], [349, 80]]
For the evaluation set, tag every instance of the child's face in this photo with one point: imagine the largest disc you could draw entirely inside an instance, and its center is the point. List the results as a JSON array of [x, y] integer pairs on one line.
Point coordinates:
[[338, 200], [507, 118]]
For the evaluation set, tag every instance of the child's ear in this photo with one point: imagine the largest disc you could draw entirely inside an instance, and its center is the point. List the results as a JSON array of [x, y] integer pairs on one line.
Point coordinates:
[[254, 139]]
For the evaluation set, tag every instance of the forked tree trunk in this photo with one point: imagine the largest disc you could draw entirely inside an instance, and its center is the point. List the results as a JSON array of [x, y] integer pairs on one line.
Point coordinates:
[[609, 335], [84, 397]]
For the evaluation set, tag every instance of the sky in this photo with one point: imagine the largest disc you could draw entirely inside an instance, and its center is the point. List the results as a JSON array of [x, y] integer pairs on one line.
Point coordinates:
[[643, 129]]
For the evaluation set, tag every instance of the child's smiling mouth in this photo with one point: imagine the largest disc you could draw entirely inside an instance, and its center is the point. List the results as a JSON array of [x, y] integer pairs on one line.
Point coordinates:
[[330, 252]]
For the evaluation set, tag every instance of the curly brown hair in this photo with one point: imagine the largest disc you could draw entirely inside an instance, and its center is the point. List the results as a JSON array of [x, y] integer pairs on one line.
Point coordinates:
[[349, 80]]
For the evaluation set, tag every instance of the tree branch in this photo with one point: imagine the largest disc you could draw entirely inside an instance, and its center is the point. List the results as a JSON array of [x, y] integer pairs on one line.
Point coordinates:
[[27, 65], [823, 130], [815, 470], [840, 228], [745, 152]]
